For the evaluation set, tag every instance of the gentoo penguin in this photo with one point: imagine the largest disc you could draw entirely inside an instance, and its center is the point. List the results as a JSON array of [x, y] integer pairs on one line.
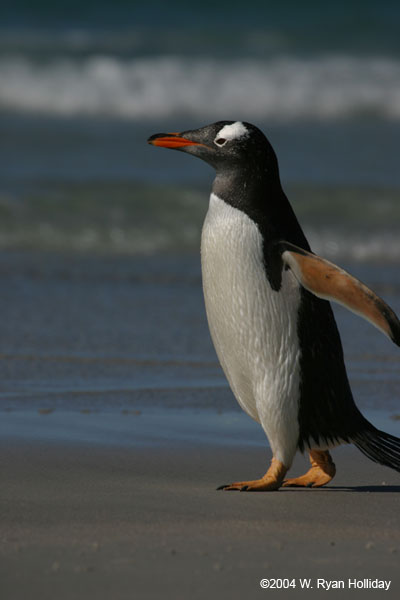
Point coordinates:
[[267, 302]]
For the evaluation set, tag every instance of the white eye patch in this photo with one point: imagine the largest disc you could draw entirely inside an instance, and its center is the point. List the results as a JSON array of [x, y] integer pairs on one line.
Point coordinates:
[[231, 132]]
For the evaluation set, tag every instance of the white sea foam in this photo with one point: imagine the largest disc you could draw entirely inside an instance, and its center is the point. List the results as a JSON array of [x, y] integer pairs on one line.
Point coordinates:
[[380, 246], [356, 246], [327, 87]]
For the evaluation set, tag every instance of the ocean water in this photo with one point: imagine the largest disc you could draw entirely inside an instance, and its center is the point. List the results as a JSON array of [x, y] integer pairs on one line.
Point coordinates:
[[116, 350], [82, 87], [99, 232]]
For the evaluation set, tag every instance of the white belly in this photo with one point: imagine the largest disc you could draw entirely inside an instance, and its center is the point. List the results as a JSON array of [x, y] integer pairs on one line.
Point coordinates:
[[253, 327]]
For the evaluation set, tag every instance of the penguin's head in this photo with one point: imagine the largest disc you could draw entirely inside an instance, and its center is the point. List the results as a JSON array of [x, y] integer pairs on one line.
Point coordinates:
[[224, 145]]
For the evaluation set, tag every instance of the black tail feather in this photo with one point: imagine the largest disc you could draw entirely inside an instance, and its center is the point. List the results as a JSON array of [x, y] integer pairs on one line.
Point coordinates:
[[379, 446]]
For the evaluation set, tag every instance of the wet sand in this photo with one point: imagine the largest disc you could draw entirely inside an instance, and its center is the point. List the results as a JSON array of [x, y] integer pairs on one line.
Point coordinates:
[[86, 521]]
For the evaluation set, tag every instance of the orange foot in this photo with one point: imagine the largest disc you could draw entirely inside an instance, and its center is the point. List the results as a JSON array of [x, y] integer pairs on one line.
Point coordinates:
[[272, 480], [322, 471]]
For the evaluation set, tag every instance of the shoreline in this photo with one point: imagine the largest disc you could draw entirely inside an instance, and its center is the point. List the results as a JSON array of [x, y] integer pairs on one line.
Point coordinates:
[[117, 425], [141, 425]]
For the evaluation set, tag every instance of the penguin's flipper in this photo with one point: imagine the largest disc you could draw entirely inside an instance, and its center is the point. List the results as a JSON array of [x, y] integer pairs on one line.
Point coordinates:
[[327, 281]]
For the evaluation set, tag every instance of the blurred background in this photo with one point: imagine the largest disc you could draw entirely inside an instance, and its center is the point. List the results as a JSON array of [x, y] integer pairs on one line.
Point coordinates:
[[82, 86], [101, 298]]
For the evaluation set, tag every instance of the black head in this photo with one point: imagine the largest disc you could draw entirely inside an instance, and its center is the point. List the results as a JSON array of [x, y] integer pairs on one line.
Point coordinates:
[[224, 145], [247, 174]]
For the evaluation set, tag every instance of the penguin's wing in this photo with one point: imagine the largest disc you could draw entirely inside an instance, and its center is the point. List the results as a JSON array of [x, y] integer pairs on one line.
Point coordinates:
[[327, 281]]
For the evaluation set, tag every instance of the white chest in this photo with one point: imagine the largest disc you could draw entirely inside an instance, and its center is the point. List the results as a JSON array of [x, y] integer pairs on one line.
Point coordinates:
[[253, 327]]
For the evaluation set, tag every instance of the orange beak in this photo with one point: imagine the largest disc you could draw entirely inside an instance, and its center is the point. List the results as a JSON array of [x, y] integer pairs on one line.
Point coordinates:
[[171, 140]]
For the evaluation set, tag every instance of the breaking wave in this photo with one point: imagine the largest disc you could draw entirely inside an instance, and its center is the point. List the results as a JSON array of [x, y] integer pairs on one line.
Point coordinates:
[[327, 87], [342, 224]]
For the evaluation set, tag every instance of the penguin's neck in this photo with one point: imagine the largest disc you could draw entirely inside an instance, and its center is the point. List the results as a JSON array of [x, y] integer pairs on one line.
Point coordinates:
[[259, 194]]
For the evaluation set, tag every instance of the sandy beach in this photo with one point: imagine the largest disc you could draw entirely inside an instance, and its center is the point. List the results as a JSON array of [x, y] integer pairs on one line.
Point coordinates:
[[84, 521]]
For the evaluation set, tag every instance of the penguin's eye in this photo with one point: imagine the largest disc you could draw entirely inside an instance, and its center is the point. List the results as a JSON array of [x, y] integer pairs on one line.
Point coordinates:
[[220, 141]]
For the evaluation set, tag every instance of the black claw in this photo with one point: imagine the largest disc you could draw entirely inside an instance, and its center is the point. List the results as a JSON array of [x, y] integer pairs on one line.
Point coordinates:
[[244, 488], [222, 487], [310, 484]]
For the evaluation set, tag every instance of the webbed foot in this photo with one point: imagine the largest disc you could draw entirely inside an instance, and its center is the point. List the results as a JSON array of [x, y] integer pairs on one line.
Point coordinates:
[[322, 471], [272, 480]]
